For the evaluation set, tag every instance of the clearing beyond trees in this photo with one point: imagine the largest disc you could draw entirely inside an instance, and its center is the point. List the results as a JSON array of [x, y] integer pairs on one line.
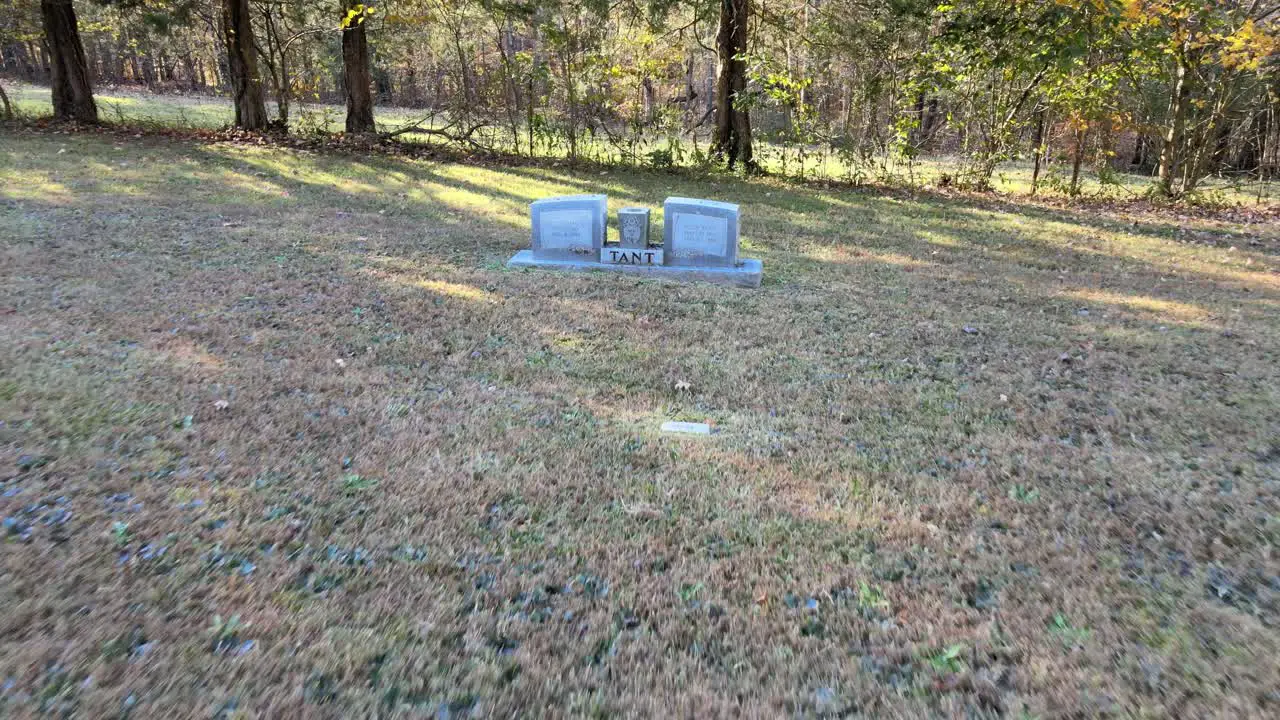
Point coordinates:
[[280, 435]]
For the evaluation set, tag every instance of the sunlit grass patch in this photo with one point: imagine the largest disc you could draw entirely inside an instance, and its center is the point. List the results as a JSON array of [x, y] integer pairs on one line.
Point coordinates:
[[1156, 308]]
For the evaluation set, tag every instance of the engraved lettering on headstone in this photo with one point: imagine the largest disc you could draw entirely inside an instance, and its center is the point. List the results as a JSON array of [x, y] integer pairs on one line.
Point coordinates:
[[624, 256], [701, 234], [565, 229]]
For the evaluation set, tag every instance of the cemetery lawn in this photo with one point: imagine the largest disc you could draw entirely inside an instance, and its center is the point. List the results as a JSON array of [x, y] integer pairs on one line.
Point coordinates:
[[280, 435]]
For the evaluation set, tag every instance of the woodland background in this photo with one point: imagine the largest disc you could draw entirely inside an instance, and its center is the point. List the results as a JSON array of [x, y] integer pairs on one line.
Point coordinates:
[[1178, 90]]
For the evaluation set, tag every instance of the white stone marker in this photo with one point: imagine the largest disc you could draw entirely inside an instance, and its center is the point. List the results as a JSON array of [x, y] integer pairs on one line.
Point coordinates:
[[700, 232], [569, 226], [687, 428]]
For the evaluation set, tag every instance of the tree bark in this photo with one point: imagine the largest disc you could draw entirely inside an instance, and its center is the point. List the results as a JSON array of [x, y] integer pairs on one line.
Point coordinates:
[[277, 62], [1076, 160], [731, 138], [505, 44], [1037, 151], [1173, 134], [242, 65], [8, 109], [356, 77], [69, 71]]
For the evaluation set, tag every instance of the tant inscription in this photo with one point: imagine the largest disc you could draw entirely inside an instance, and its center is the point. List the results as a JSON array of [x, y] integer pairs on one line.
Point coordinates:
[[631, 256]]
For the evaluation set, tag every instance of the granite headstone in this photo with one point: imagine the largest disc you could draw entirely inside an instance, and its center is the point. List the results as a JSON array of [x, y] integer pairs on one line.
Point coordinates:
[[700, 232], [569, 226]]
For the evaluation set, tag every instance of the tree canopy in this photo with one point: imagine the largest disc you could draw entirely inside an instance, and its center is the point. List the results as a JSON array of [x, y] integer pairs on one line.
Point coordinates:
[[1180, 89]]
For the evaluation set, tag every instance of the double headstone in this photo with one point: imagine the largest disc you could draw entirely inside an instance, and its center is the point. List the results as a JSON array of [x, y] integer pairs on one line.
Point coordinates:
[[699, 239]]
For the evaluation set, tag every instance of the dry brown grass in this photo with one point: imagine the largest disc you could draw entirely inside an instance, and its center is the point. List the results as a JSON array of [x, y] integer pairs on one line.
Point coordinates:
[[302, 391]]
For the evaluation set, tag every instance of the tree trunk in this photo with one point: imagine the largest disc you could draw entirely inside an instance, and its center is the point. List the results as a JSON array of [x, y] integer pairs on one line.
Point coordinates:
[[8, 109], [355, 68], [1077, 160], [917, 112], [690, 92], [1038, 150], [648, 99], [1139, 152], [277, 66], [23, 60], [69, 72], [505, 47], [731, 139], [242, 65], [1173, 134], [108, 72], [40, 60], [189, 69]]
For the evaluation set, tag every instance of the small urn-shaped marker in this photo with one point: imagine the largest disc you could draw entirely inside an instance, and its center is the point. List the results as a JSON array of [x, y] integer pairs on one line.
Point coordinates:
[[633, 227]]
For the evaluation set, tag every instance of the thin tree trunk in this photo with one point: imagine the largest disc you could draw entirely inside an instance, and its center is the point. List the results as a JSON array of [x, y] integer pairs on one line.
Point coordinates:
[[1076, 161], [731, 139], [1038, 151], [509, 82], [110, 72], [278, 65], [69, 72], [25, 64], [1173, 134], [8, 109], [917, 111], [135, 68], [648, 99], [690, 93], [1139, 152], [188, 67], [356, 77], [242, 65], [40, 60]]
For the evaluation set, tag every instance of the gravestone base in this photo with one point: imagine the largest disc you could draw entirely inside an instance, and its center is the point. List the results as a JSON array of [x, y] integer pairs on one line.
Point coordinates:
[[746, 274]]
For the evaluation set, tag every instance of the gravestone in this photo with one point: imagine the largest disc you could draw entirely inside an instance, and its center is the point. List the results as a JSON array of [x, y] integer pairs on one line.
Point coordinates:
[[568, 227], [700, 240], [700, 233]]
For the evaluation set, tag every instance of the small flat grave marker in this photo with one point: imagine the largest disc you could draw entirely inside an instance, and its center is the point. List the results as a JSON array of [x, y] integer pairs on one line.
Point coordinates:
[[686, 428]]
